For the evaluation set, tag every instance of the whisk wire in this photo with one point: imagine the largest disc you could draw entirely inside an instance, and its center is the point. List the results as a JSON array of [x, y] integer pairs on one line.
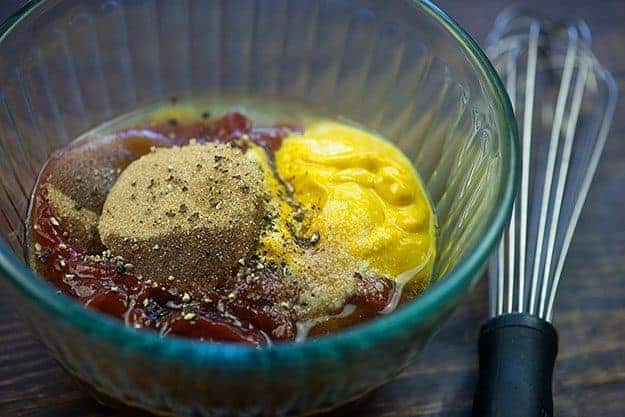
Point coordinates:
[[565, 85], [562, 175], [585, 185], [511, 87], [497, 290], [532, 58]]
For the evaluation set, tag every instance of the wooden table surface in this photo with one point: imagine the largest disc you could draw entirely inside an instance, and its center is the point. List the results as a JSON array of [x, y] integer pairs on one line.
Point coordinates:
[[590, 311]]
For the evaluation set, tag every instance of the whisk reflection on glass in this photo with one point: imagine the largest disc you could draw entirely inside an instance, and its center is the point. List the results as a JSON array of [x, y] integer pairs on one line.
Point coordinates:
[[564, 101]]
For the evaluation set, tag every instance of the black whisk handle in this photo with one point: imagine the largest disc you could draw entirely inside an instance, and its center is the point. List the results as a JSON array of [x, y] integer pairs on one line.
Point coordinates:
[[517, 353]]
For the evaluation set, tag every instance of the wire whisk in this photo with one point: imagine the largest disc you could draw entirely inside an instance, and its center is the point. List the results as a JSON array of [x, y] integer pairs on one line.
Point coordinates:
[[564, 101]]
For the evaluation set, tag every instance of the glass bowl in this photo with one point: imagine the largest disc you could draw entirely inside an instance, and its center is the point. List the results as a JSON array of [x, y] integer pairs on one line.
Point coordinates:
[[403, 68]]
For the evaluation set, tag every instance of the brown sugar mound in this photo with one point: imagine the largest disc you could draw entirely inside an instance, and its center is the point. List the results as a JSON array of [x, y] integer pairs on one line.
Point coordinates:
[[83, 174], [81, 177], [186, 217], [80, 223]]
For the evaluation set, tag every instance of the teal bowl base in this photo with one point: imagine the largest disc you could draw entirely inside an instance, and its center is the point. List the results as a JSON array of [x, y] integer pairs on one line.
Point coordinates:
[[127, 407]]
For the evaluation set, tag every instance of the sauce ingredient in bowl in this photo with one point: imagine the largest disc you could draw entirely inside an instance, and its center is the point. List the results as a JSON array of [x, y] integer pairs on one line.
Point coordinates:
[[233, 228], [186, 212]]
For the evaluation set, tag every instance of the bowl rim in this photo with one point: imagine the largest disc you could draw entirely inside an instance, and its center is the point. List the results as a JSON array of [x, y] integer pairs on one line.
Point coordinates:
[[234, 356]]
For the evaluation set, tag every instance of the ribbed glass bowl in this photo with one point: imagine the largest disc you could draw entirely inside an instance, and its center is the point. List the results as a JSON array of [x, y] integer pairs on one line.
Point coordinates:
[[403, 68]]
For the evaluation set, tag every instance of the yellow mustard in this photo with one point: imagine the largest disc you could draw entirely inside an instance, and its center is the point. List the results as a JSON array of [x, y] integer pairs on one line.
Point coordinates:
[[361, 195]]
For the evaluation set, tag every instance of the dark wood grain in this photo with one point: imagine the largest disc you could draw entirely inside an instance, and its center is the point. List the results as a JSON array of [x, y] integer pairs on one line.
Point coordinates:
[[590, 311]]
